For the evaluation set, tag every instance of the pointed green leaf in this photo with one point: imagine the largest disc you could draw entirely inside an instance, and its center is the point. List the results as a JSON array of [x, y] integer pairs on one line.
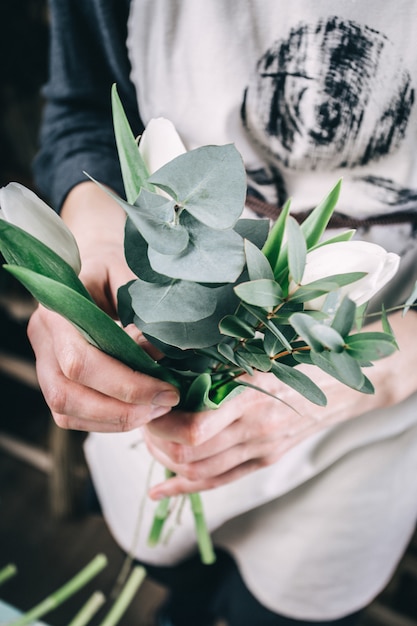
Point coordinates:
[[244, 364], [320, 287], [411, 299], [262, 293], [134, 170], [340, 365], [226, 350], [328, 337], [234, 326], [96, 325], [297, 250], [209, 182], [272, 246], [257, 264], [304, 324], [370, 346], [260, 315], [315, 224], [20, 248], [344, 236], [255, 358], [344, 319], [298, 381]]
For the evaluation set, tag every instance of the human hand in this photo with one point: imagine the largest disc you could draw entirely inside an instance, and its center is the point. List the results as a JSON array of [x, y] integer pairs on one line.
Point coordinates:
[[85, 388], [251, 431]]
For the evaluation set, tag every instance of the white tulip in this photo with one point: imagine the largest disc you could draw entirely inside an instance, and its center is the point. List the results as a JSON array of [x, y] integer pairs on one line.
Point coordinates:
[[23, 208], [160, 143], [351, 256]]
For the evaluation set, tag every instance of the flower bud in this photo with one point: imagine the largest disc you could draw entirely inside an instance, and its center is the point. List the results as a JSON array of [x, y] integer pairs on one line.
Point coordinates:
[[351, 256], [23, 208], [160, 143]]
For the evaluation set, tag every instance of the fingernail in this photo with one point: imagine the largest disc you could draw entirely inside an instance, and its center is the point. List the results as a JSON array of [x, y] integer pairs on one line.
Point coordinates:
[[166, 398]]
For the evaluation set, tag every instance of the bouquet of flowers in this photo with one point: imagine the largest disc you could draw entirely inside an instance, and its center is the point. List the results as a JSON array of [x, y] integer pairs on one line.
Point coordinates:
[[219, 295]]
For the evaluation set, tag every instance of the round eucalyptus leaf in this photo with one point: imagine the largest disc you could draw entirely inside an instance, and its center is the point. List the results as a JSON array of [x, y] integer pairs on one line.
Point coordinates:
[[136, 254], [210, 256], [176, 301], [209, 182]]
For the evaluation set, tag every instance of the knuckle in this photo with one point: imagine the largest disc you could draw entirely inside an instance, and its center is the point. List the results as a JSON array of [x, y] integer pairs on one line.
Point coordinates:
[[194, 433], [72, 363], [193, 472], [178, 453], [126, 421], [62, 421], [56, 399]]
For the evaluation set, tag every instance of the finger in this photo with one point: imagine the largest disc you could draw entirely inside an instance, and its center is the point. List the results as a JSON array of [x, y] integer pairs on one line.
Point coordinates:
[[79, 407], [82, 363], [194, 429], [179, 485]]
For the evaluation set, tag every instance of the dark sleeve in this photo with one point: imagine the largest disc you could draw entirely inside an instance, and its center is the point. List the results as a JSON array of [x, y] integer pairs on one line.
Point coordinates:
[[87, 55]]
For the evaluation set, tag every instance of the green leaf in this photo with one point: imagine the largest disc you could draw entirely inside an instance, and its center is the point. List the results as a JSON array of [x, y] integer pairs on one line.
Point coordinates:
[[304, 324], [299, 382], [260, 315], [328, 337], [315, 224], [320, 287], [226, 351], [345, 236], [297, 250], [210, 256], [262, 293], [134, 170], [411, 299], [272, 344], [370, 346], [244, 364], [96, 325], [209, 182], [255, 230], [124, 304], [340, 365], [176, 301], [20, 248], [197, 397], [344, 319], [272, 246], [255, 358], [257, 263], [234, 326], [149, 219], [136, 254]]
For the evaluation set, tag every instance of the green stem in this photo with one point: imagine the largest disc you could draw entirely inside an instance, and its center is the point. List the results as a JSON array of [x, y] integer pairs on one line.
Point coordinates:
[[64, 592], [160, 517], [125, 597], [205, 545], [159, 520], [7, 572], [89, 609]]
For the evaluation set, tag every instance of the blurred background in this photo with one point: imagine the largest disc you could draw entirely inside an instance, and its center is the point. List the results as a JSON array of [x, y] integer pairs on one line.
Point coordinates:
[[46, 526]]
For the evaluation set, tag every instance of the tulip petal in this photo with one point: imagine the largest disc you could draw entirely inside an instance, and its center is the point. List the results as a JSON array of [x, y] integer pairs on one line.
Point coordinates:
[[160, 143], [350, 256], [23, 208]]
